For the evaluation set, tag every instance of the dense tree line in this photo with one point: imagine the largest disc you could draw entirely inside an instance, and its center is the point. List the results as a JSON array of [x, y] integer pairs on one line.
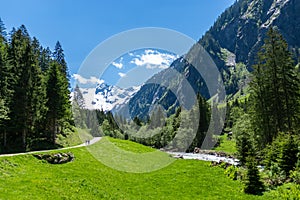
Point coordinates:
[[275, 90], [34, 91], [182, 131], [266, 125]]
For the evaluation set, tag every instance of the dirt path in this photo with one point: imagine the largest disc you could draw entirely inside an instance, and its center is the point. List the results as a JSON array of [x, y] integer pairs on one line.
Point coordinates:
[[92, 141]]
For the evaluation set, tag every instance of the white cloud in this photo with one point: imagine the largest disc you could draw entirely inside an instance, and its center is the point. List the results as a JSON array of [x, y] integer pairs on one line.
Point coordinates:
[[119, 64], [152, 59], [121, 74], [82, 80]]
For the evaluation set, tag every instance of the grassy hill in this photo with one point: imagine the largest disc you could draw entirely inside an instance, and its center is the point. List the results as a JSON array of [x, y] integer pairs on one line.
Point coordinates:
[[25, 177]]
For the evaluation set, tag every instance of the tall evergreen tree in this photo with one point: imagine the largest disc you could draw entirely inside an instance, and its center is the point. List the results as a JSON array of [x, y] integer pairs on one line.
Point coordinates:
[[275, 89], [3, 33], [78, 108], [204, 118], [45, 58], [5, 93], [253, 184], [28, 99], [58, 104], [38, 95], [59, 57]]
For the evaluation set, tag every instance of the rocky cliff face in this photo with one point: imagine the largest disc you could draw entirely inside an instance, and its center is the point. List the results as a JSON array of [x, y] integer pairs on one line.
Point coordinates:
[[241, 29]]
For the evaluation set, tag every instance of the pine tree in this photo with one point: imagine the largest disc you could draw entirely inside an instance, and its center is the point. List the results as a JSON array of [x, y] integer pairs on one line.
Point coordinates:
[[5, 93], [288, 154], [27, 99], [45, 58], [38, 95], [58, 104], [59, 57], [244, 147], [78, 109], [253, 184], [204, 119], [274, 89], [3, 33]]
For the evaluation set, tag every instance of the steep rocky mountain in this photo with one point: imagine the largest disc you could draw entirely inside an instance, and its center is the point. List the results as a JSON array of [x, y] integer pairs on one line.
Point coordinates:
[[232, 42], [106, 97], [241, 29]]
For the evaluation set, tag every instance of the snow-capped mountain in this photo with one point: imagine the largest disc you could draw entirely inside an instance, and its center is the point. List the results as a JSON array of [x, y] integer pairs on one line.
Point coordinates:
[[107, 97]]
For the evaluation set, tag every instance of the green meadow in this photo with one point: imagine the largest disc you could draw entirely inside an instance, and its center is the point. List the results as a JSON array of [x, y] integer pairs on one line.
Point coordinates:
[[25, 177]]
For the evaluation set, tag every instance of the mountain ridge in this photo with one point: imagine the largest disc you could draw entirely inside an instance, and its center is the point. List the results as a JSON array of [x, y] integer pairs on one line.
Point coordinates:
[[106, 97], [232, 42]]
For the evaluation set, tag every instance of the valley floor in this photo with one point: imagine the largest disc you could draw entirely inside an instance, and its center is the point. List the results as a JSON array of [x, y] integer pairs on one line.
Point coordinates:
[[25, 177]]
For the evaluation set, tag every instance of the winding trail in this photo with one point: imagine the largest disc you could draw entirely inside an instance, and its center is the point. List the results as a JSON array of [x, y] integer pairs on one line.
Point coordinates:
[[92, 141]]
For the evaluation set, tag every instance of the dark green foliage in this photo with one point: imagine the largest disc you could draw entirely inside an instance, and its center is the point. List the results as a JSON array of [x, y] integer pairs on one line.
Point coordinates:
[[28, 91], [244, 147], [28, 102], [58, 102], [5, 92], [274, 90], [288, 155], [282, 151], [45, 58], [3, 112], [182, 131], [59, 57], [137, 121], [295, 176], [253, 184], [203, 122]]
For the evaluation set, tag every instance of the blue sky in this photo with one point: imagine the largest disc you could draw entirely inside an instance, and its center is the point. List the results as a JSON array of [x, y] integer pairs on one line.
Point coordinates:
[[81, 25]]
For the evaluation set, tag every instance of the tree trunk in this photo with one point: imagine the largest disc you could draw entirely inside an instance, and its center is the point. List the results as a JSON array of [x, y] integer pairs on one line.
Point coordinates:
[[53, 131], [24, 138], [4, 138]]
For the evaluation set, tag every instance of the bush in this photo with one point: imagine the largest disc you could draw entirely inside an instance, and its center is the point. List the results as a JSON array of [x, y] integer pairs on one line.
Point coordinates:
[[287, 191], [282, 151], [295, 176], [241, 174], [232, 172], [275, 176]]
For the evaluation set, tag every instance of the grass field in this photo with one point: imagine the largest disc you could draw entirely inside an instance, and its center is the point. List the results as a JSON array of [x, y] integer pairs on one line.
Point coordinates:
[[74, 137], [226, 145], [25, 177]]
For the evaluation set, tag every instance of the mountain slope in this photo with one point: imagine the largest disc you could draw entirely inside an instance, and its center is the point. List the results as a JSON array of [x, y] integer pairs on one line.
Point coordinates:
[[241, 28], [232, 42], [106, 97]]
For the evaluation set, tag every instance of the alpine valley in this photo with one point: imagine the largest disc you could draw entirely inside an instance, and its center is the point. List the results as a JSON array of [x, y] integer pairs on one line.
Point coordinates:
[[232, 42]]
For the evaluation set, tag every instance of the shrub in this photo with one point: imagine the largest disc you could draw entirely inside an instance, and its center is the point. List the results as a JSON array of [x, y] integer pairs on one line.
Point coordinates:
[[275, 176], [282, 151], [295, 176], [232, 172], [287, 191], [241, 173]]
